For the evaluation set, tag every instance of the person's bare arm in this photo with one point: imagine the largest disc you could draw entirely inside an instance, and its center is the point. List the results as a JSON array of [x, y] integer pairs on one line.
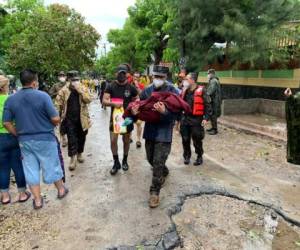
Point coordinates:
[[55, 120], [107, 101], [10, 128]]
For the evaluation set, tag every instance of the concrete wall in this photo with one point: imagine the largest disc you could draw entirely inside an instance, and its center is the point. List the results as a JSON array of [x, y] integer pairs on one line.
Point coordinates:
[[251, 106]]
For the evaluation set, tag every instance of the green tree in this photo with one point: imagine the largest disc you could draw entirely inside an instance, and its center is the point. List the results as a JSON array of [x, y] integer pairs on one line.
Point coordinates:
[[49, 39], [248, 28], [143, 38], [151, 18]]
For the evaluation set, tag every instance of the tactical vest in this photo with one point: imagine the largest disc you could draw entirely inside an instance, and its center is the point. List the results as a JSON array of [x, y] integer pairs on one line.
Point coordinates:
[[198, 109]]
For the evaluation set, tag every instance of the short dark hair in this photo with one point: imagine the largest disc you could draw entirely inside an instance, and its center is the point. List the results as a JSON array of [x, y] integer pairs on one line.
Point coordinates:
[[27, 76]]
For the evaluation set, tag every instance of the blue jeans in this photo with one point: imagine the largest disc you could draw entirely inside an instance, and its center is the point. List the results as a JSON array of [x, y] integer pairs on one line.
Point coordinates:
[[41, 155], [10, 159]]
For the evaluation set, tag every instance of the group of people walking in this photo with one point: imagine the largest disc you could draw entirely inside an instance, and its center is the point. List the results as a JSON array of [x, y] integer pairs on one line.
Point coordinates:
[[34, 124]]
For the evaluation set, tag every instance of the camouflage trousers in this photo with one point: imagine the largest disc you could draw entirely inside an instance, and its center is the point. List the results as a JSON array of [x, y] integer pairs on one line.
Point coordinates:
[[157, 156], [214, 121]]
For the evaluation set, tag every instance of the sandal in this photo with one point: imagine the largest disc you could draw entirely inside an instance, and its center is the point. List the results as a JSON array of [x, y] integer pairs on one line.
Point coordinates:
[[40, 206], [60, 197], [28, 195], [6, 202]]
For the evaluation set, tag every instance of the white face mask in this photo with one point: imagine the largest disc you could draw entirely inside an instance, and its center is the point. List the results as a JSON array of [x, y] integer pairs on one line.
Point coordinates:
[[158, 82], [76, 83], [62, 79], [186, 84]]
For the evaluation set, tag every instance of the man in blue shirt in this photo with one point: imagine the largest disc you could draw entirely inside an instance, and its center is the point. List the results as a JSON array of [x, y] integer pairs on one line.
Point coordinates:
[[158, 136], [30, 115]]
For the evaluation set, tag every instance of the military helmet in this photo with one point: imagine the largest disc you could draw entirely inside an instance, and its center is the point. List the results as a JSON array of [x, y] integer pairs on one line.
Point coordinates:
[[61, 73], [2, 72]]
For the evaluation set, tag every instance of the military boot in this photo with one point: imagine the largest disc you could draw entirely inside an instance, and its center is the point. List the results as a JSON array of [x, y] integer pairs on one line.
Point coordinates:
[[73, 163], [187, 160], [199, 161], [80, 158], [154, 200], [213, 132]]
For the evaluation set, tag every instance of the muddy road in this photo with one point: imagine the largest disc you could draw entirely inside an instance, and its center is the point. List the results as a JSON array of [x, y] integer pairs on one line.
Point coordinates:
[[245, 196]]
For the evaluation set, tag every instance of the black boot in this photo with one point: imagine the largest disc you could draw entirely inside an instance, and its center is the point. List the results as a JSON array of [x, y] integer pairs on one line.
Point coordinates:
[[187, 160], [166, 172], [209, 130], [213, 132], [117, 165], [125, 166], [199, 161]]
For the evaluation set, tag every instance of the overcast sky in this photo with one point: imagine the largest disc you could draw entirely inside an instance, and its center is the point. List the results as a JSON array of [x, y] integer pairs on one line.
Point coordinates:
[[102, 14]]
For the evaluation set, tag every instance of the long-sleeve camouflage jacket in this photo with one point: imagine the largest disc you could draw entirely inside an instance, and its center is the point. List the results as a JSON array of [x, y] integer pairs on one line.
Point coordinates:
[[53, 92], [214, 91], [61, 103]]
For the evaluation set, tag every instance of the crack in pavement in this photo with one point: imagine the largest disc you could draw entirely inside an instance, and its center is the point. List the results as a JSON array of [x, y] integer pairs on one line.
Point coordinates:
[[171, 239]]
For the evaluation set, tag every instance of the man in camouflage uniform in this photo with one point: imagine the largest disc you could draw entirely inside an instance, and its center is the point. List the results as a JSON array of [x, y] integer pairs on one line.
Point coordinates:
[[53, 92], [72, 103], [62, 78], [293, 126], [214, 92], [159, 135]]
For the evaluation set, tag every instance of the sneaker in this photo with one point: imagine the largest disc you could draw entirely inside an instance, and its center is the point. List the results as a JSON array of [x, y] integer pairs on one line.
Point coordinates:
[[116, 167], [199, 161], [153, 201], [73, 163], [80, 158]]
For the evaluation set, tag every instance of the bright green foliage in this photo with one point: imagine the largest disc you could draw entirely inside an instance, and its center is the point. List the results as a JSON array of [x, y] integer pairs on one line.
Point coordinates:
[[143, 39], [47, 39]]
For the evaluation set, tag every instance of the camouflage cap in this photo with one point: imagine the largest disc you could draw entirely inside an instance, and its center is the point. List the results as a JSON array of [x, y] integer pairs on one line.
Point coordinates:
[[160, 70], [2, 72], [73, 74], [211, 71], [61, 73]]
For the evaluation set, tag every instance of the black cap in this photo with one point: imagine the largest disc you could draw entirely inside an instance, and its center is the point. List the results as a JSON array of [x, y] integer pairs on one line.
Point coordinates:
[[73, 74], [160, 70], [122, 68]]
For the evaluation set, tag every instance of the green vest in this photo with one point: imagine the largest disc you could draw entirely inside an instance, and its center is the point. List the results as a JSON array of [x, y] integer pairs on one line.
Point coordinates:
[[293, 128], [3, 98]]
